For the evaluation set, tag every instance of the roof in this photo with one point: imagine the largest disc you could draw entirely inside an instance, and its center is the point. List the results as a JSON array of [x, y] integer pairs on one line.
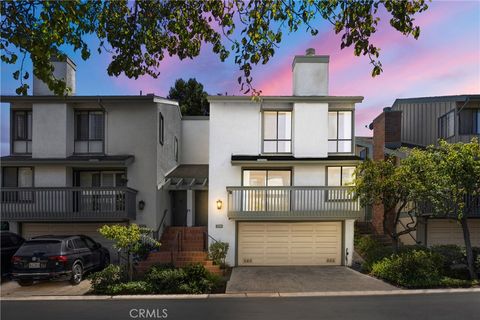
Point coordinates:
[[460, 98], [289, 158], [71, 99], [122, 160], [188, 177], [345, 99]]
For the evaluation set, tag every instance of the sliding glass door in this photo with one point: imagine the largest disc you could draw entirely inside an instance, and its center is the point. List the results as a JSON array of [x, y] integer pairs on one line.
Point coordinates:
[[265, 199]]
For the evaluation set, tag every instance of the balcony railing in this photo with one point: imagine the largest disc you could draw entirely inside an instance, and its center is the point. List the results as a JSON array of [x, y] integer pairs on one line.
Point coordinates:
[[294, 202], [69, 203]]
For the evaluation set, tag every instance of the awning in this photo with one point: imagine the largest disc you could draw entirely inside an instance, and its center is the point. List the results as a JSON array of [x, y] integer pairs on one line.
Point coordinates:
[[188, 177]]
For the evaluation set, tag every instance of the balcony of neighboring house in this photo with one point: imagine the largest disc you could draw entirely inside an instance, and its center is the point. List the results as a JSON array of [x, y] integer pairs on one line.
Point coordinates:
[[268, 195]]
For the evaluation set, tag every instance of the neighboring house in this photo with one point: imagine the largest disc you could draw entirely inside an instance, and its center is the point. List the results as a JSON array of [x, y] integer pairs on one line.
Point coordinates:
[[420, 122], [79, 162], [280, 170]]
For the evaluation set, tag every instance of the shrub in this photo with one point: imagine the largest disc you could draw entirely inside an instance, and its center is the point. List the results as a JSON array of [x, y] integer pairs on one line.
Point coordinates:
[[218, 252], [198, 279], [412, 269], [457, 283], [165, 280], [365, 244], [132, 287], [111, 275]]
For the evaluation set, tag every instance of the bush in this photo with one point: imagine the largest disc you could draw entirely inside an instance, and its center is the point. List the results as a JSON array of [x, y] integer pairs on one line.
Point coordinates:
[[365, 244], [164, 279], [218, 253], [198, 279], [411, 269], [457, 283], [102, 280], [132, 287], [371, 251]]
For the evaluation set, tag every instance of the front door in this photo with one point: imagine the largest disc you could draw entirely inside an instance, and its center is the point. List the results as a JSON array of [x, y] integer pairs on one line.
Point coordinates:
[[201, 208], [179, 208]]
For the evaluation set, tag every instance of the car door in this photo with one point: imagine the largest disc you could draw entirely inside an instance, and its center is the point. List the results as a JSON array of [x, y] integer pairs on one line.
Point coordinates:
[[83, 252], [95, 253]]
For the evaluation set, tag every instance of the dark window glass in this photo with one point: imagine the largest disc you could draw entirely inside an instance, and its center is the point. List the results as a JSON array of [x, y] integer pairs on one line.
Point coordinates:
[[90, 243], [469, 121], [446, 125], [46, 247], [9, 177], [80, 243], [89, 125], [22, 125], [175, 148], [161, 129]]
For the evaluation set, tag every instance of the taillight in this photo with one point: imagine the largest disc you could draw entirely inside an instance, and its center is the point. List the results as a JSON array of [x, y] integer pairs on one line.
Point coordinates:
[[16, 259], [58, 258]]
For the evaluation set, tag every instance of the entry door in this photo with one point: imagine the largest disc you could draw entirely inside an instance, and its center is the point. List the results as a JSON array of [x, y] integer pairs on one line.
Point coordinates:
[[179, 201]]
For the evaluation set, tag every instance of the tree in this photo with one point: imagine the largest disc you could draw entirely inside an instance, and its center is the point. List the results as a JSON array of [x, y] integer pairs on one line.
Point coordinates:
[[455, 193], [395, 186], [138, 34], [129, 240], [190, 96]]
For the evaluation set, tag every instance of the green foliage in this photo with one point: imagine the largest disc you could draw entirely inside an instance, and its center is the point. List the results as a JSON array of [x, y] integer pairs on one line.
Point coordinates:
[[138, 35], [457, 283], [132, 287], [128, 238], [218, 252], [191, 97], [193, 279], [102, 280], [411, 269], [371, 251]]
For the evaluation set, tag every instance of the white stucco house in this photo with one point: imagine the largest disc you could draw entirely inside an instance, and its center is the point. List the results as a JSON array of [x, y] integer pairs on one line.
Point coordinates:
[[280, 170]]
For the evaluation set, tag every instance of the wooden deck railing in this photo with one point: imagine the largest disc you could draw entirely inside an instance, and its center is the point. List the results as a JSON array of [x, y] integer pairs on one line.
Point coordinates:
[[68, 203]]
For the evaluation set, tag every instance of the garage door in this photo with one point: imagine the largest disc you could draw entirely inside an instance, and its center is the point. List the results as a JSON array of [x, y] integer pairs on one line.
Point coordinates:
[[30, 230], [292, 243], [450, 232]]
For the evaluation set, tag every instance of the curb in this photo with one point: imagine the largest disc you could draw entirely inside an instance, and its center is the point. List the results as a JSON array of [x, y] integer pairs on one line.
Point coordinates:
[[245, 295]]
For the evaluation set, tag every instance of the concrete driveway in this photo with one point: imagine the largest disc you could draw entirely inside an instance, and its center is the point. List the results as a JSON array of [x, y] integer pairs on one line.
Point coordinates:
[[54, 288], [301, 279]]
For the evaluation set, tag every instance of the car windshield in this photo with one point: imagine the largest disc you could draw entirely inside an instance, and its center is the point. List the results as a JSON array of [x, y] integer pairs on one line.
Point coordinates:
[[44, 247]]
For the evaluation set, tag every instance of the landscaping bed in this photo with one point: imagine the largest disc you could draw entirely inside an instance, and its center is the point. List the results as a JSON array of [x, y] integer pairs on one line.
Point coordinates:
[[416, 266]]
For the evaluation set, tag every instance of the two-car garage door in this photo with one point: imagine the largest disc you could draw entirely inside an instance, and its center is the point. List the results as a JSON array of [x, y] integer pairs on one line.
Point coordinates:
[[445, 231], [289, 243]]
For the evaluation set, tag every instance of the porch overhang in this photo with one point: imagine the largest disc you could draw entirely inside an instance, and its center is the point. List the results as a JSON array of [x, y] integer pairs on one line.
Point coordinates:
[[187, 177]]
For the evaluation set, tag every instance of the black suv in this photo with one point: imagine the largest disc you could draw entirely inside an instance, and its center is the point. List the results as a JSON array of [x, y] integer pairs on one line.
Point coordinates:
[[58, 258], [9, 244]]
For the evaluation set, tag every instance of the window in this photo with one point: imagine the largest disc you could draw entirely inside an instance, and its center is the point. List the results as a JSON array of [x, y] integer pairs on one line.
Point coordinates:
[[263, 199], [161, 128], [80, 243], [277, 132], [90, 243], [340, 176], [175, 148], [89, 131], [17, 177], [22, 132], [446, 125], [469, 121], [340, 131]]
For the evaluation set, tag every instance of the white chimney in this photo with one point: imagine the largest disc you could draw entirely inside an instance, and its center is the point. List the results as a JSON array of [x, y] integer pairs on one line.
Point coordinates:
[[310, 74], [62, 70]]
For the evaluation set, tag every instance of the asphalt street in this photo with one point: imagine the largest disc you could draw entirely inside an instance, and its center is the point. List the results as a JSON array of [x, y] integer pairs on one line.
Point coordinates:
[[436, 306]]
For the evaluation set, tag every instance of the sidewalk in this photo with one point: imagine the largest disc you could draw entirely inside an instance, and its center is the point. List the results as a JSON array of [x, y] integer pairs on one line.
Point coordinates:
[[63, 288]]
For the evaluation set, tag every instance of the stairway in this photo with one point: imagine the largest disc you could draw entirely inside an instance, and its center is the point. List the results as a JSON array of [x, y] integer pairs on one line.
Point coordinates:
[[365, 228], [180, 246]]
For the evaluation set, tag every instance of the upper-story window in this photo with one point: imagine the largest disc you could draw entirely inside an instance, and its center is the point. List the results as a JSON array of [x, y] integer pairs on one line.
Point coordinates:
[[22, 131], [277, 132], [89, 131], [16, 177], [161, 128], [469, 121], [340, 131], [446, 125], [175, 148]]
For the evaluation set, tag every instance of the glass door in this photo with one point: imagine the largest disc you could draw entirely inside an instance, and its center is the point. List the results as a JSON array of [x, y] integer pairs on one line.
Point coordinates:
[[264, 199]]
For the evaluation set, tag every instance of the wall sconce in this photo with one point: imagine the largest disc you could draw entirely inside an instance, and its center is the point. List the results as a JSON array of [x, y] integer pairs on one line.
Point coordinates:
[[141, 205], [219, 204]]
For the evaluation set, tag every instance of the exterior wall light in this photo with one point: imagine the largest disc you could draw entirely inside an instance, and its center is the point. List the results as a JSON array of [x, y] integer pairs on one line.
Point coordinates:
[[141, 205], [219, 204]]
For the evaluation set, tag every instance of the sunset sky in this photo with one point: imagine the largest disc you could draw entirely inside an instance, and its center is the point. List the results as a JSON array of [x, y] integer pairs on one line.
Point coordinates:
[[445, 60]]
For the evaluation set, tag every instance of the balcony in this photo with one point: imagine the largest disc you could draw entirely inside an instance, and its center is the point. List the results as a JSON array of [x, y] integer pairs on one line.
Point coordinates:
[[292, 203], [68, 204]]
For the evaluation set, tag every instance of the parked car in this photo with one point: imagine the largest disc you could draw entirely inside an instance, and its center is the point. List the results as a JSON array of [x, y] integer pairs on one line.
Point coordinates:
[[58, 258], [9, 244]]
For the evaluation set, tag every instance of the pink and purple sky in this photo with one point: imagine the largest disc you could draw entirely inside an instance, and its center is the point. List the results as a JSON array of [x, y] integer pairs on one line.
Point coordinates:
[[445, 60]]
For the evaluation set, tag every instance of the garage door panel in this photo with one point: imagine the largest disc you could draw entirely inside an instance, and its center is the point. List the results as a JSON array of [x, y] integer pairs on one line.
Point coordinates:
[[441, 232], [292, 243]]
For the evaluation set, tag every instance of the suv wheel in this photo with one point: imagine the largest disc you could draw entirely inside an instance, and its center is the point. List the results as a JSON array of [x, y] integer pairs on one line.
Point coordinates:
[[77, 273], [25, 283]]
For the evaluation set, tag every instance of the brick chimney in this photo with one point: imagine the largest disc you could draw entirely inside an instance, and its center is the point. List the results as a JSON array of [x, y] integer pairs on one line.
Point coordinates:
[[310, 74], [386, 134], [62, 70]]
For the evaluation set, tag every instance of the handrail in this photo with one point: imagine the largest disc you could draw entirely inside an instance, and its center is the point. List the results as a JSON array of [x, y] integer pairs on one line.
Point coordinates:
[[156, 233], [206, 236]]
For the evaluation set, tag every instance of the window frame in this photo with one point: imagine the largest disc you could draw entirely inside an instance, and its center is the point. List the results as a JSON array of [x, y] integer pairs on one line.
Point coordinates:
[[88, 140], [161, 129], [27, 128], [442, 118], [277, 140], [337, 140], [14, 197], [475, 122], [175, 148], [341, 174]]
